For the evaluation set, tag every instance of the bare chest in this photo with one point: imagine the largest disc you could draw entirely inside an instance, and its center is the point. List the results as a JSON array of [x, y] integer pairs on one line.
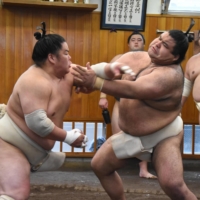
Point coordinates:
[[194, 72], [60, 99]]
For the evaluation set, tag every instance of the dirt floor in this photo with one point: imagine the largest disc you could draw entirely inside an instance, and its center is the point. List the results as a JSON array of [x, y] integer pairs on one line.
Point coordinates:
[[53, 193], [78, 182]]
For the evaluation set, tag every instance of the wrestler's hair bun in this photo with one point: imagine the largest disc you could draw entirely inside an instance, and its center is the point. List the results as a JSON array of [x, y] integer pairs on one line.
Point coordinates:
[[39, 35], [187, 33]]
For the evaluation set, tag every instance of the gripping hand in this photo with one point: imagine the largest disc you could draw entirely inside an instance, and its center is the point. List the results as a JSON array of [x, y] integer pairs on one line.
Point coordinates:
[[119, 68], [76, 138]]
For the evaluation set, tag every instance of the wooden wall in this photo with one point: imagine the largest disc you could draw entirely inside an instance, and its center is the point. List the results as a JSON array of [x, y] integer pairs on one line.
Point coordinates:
[[86, 42]]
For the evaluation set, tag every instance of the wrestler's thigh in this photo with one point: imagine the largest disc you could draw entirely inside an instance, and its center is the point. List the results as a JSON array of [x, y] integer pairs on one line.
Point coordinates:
[[105, 160], [167, 159], [15, 169]]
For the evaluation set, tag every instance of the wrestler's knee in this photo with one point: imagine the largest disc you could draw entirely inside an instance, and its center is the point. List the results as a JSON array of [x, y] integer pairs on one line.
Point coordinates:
[[173, 188], [17, 184], [96, 164], [101, 161], [16, 192]]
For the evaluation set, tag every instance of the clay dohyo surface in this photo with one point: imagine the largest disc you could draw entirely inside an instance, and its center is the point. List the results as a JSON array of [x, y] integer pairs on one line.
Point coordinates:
[[52, 193]]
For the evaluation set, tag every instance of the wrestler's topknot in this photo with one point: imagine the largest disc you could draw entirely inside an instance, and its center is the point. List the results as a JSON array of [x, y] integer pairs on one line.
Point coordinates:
[[39, 35]]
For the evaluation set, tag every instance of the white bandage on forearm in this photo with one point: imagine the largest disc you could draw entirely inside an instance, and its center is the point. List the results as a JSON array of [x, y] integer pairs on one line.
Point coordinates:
[[99, 70], [39, 123], [187, 87]]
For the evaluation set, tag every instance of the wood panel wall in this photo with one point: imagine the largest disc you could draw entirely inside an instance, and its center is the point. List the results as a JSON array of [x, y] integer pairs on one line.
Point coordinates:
[[86, 42]]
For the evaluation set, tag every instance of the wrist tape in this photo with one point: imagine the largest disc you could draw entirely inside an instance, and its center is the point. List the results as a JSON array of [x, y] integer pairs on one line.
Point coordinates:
[[99, 70], [102, 96], [98, 85], [72, 136], [125, 69], [187, 87]]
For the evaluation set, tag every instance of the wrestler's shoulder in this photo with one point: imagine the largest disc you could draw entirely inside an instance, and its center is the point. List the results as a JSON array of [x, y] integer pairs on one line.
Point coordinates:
[[193, 65], [33, 78], [136, 55], [193, 60]]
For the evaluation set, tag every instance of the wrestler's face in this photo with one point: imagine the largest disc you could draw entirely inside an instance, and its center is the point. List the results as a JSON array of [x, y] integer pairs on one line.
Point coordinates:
[[136, 43], [160, 50], [63, 61]]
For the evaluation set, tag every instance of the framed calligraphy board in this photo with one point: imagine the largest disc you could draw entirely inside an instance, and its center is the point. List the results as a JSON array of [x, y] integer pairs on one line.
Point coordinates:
[[123, 14]]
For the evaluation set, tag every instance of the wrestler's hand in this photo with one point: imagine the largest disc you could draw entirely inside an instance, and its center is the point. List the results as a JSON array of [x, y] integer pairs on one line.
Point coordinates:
[[76, 138], [119, 68], [83, 90], [128, 77], [103, 103], [84, 76]]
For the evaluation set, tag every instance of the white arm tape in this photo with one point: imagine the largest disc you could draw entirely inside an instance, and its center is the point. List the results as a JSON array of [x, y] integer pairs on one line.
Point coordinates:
[[73, 135], [99, 70], [39, 123], [124, 69], [187, 87]]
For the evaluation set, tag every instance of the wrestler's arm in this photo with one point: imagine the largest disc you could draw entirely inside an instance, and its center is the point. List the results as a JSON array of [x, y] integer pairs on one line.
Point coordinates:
[[34, 99], [103, 102], [150, 86], [187, 82]]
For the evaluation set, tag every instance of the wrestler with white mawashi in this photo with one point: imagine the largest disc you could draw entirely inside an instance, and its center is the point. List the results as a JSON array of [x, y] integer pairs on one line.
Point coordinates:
[[122, 142], [32, 122], [149, 110]]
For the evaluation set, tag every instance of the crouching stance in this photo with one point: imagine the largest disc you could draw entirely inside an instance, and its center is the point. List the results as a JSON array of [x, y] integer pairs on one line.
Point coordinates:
[[34, 117], [150, 102]]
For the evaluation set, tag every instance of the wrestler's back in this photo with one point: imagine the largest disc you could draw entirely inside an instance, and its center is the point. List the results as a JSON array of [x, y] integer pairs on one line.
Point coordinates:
[[142, 118], [57, 105]]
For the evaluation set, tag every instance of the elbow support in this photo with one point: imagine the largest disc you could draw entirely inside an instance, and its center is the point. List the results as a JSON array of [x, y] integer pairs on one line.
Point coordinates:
[[39, 123], [187, 87]]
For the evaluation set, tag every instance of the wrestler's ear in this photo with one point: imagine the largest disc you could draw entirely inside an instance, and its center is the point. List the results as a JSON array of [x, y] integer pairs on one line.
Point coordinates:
[[176, 58], [51, 58]]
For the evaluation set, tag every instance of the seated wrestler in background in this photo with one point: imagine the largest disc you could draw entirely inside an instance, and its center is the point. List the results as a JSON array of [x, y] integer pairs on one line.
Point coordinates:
[[149, 110], [136, 42], [34, 118]]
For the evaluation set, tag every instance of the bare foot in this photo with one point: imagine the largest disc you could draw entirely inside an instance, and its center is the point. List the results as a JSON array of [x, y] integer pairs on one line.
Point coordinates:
[[144, 171], [147, 175]]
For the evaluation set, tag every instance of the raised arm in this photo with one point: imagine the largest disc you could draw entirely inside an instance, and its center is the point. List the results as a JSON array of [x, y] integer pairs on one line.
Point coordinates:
[[150, 86]]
